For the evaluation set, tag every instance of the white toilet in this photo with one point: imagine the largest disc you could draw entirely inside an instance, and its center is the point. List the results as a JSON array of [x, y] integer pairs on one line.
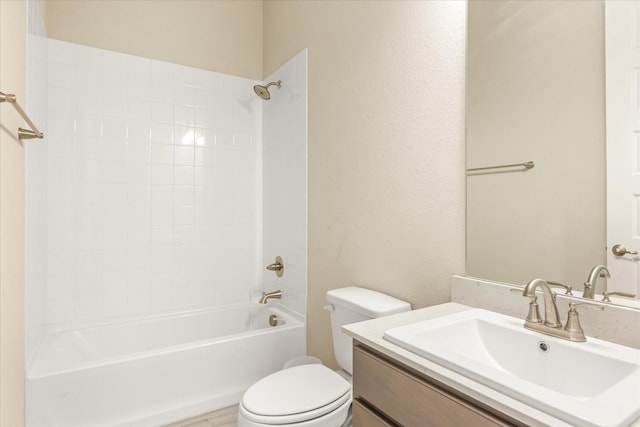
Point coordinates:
[[312, 395]]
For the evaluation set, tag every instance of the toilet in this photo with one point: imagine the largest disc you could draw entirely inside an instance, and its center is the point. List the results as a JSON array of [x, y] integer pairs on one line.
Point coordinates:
[[310, 394]]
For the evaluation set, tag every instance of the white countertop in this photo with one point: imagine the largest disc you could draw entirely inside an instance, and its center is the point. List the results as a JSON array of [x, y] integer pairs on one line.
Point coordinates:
[[371, 333]]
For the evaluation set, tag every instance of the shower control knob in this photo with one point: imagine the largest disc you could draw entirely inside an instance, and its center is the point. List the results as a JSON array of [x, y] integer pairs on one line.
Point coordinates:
[[277, 266]]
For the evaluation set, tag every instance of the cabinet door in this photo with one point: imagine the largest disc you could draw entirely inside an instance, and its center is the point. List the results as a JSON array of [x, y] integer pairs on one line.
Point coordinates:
[[409, 400]]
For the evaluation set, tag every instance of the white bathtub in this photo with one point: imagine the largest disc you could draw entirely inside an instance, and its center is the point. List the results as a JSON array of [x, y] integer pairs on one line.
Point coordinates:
[[153, 371]]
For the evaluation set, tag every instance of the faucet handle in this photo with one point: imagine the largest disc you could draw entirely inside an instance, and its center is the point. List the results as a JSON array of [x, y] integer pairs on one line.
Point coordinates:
[[591, 306], [605, 295], [534, 311], [573, 327], [568, 288]]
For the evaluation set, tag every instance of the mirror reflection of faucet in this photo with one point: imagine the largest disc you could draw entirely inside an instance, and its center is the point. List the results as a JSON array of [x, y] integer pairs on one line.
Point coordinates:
[[590, 285]]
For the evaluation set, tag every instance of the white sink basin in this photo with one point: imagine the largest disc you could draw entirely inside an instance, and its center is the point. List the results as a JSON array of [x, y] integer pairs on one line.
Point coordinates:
[[594, 383]]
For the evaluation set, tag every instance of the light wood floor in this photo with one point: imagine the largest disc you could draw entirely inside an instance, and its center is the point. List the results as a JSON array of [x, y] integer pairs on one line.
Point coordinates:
[[227, 417]]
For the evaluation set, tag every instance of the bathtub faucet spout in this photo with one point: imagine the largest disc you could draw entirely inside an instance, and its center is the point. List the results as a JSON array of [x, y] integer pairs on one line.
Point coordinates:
[[267, 296]]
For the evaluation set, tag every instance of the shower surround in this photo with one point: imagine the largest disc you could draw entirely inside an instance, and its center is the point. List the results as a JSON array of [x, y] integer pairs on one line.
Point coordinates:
[[146, 196], [153, 185]]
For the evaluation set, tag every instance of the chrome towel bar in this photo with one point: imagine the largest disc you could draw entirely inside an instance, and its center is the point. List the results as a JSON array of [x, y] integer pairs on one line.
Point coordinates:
[[22, 133], [526, 165]]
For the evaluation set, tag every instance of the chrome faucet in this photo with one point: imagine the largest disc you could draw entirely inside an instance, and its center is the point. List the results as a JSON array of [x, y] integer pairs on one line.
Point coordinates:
[[590, 284], [270, 295], [551, 317], [551, 325]]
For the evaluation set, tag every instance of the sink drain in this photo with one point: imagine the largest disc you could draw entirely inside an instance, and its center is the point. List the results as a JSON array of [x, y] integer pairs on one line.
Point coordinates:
[[543, 346]]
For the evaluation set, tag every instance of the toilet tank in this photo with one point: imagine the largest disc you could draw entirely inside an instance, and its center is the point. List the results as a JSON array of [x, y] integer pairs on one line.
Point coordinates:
[[353, 304]]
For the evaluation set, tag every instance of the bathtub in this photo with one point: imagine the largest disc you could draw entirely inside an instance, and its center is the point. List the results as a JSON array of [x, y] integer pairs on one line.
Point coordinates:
[[156, 370]]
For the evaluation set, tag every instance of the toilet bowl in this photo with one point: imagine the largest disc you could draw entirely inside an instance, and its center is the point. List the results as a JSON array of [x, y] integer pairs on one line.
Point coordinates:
[[312, 395], [305, 395]]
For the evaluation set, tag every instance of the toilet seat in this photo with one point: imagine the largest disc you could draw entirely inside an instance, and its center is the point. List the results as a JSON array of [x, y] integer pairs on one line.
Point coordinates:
[[295, 395]]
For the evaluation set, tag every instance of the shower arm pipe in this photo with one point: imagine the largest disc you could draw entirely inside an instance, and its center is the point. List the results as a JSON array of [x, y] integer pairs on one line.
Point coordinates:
[[278, 83], [22, 133]]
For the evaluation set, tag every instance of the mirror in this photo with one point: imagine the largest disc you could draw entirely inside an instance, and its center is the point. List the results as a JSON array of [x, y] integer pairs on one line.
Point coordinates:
[[536, 92]]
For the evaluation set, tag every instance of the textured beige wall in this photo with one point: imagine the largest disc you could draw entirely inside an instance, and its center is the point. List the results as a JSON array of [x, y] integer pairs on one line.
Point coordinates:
[[12, 80], [536, 92], [221, 35], [385, 145]]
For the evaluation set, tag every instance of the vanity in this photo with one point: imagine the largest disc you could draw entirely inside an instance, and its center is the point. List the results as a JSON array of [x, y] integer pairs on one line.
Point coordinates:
[[387, 393], [395, 386]]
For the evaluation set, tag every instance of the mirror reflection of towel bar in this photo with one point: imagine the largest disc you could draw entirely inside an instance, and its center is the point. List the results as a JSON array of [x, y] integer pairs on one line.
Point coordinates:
[[526, 165]]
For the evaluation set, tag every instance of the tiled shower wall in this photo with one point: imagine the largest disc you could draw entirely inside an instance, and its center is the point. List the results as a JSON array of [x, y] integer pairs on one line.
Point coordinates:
[[153, 186], [35, 180], [284, 161]]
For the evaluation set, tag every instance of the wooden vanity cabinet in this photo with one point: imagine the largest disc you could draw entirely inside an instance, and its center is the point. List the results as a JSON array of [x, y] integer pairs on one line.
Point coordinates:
[[388, 393]]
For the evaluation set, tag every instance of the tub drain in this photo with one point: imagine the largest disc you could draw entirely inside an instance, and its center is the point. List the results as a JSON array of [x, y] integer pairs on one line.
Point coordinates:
[[273, 320]]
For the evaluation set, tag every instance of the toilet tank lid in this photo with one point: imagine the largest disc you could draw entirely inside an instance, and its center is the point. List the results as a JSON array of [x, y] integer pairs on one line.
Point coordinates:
[[367, 302]]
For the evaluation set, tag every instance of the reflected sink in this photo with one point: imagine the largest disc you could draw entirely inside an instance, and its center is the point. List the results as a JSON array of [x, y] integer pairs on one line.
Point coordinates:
[[593, 383]]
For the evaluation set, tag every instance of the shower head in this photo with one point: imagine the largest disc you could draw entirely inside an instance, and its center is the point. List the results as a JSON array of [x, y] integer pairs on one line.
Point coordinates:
[[263, 91]]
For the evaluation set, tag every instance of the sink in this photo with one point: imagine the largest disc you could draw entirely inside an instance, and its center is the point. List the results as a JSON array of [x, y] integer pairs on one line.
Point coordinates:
[[593, 383]]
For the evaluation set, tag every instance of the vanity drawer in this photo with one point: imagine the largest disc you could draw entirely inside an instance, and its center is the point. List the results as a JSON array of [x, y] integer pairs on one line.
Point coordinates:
[[409, 400], [363, 416]]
